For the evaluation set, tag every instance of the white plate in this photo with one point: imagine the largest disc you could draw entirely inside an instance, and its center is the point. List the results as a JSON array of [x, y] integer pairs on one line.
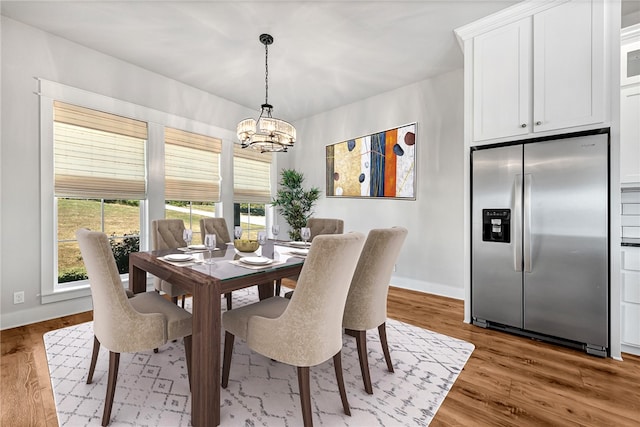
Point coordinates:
[[303, 252], [179, 257], [300, 244], [197, 247], [256, 260]]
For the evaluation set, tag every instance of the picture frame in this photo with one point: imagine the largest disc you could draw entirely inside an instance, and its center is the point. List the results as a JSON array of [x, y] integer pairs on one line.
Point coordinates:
[[379, 165]]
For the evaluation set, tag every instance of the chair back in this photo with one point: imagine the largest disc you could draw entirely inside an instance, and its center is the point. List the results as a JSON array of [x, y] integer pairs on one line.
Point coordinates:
[[115, 321], [321, 226], [167, 234], [366, 305], [311, 324], [217, 226]]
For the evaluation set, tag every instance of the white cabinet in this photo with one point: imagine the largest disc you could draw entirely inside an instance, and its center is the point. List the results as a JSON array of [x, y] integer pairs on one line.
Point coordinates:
[[630, 135], [541, 73], [501, 75], [630, 295]]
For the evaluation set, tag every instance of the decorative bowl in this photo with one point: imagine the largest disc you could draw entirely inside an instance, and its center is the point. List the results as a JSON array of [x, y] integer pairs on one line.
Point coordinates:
[[244, 245]]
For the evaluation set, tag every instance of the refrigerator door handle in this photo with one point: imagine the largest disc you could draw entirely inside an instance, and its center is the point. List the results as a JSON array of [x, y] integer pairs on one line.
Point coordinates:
[[526, 212], [517, 222]]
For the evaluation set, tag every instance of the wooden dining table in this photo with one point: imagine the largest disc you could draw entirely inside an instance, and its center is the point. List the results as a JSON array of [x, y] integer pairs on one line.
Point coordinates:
[[206, 283]]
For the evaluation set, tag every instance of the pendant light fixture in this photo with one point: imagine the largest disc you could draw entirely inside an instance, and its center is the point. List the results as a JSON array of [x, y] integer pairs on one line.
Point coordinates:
[[267, 134]]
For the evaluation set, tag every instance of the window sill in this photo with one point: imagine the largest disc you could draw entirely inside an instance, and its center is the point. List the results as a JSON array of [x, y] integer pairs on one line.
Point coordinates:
[[83, 289]]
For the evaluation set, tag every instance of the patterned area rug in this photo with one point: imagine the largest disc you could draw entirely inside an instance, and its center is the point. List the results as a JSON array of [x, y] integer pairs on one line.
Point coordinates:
[[153, 390]]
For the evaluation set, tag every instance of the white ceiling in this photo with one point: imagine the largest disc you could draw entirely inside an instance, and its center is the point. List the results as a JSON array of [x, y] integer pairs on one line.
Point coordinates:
[[326, 53]]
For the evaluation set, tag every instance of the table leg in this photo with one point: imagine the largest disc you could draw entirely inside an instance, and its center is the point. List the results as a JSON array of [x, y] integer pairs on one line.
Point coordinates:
[[205, 386], [137, 279], [265, 290]]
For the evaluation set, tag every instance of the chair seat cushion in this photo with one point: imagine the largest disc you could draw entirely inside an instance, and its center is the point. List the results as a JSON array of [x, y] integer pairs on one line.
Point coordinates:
[[178, 319], [236, 321]]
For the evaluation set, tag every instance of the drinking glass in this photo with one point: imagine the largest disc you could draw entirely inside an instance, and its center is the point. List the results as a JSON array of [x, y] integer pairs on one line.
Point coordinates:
[[237, 232], [187, 235], [305, 233], [210, 244], [262, 239], [275, 229]]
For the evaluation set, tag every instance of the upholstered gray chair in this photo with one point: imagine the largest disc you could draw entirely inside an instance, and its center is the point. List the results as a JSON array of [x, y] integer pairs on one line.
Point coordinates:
[[125, 325], [167, 234], [217, 226], [320, 226], [366, 306], [306, 330]]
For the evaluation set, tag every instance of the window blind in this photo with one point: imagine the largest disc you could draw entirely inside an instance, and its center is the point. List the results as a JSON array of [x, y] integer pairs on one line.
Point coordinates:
[[251, 176], [192, 166], [97, 154]]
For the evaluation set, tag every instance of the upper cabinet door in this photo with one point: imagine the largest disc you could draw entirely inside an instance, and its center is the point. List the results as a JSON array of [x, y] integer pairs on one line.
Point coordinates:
[[630, 135], [502, 82], [568, 66]]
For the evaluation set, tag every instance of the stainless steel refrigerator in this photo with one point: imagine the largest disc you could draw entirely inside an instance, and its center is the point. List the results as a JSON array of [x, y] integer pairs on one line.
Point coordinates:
[[540, 257]]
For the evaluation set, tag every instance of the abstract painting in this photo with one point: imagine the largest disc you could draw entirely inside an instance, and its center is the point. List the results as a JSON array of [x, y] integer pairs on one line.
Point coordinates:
[[377, 165]]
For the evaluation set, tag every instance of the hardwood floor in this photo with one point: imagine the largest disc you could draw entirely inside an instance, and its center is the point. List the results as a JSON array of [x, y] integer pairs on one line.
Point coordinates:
[[508, 381]]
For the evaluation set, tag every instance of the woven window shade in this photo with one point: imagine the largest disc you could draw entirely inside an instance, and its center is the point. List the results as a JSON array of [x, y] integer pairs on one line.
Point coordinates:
[[192, 166], [98, 155], [251, 176]]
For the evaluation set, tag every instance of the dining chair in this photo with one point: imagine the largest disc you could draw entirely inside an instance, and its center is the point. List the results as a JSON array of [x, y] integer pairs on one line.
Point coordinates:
[[167, 234], [366, 306], [318, 227], [306, 330], [321, 226], [217, 226], [143, 322]]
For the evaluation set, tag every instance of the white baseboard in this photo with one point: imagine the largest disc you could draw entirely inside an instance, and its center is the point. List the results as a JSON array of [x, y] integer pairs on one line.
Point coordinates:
[[428, 287], [44, 312], [631, 349]]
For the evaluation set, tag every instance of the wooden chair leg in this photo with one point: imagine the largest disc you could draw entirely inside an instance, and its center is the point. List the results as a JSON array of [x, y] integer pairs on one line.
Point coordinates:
[[187, 353], [228, 297], [174, 300], [184, 297], [337, 365], [114, 362], [382, 331], [226, 358], [305, 395], [94, 359], [278, 287], [361, 343]]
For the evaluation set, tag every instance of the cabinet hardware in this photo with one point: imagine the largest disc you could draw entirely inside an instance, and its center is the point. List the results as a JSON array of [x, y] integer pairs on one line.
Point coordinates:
[[538, 123], [524, 125]]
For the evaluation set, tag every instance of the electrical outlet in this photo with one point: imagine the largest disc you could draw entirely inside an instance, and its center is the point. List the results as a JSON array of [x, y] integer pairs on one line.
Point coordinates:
[[18, 297]]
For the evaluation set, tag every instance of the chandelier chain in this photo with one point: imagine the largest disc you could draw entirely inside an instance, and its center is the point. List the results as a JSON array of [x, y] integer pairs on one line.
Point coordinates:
[[266, 73]]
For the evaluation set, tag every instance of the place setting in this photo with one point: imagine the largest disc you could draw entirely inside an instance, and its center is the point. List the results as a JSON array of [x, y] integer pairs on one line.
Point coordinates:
[[183, 260]]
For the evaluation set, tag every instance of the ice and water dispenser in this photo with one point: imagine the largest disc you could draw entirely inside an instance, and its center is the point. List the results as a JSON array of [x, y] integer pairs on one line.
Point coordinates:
[[496, 225]]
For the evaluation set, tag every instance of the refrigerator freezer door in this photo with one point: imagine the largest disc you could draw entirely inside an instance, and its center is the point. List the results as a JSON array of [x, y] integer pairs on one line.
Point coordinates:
[[565, 205], [496, 287]]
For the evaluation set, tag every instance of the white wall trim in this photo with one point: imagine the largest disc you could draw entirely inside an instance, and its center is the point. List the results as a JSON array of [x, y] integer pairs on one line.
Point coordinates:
[[428, 287]]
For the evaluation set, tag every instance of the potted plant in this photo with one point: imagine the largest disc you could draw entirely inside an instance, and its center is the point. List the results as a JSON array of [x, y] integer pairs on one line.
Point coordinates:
[[294, 203]]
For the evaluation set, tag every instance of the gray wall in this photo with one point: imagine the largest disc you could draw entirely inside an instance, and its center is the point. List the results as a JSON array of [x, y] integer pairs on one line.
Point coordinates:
[[431, 257], [430, 261], [28, 53]]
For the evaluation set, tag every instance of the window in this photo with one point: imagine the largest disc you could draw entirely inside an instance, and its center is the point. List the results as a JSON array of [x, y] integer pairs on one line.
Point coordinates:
[[103, 166], [99, 180], [251, 189], [192, 177]]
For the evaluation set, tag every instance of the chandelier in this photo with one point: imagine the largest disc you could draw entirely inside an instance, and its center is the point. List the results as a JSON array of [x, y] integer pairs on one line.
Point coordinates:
[[267, 134]]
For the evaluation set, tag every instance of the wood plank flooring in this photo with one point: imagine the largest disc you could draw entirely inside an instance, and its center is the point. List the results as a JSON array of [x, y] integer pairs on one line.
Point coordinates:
[[508, 381]]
